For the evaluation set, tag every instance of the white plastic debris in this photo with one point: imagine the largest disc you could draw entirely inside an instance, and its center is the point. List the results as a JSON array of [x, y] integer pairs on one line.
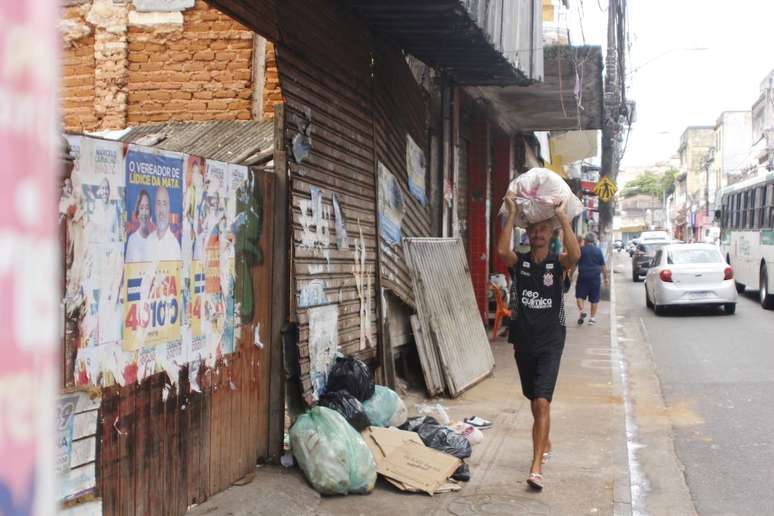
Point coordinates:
[[436, 410], [470, 432]]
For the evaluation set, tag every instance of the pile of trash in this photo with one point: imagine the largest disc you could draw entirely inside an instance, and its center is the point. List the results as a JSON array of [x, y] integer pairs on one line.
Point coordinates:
[[359, 429]]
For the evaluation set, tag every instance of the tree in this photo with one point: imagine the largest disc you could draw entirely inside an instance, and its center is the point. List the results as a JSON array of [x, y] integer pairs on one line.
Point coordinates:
[[647, 183], [650, 183]]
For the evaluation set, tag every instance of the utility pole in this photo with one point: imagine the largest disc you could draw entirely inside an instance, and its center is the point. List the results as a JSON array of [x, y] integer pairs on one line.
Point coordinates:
[[614, 106]]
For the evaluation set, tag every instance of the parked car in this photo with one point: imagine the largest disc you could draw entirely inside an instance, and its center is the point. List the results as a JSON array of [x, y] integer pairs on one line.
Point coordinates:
[[643, 256], [690, 274]]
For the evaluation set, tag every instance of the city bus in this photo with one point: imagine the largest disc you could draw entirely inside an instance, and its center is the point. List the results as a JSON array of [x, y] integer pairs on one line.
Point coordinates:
[[747, 235]]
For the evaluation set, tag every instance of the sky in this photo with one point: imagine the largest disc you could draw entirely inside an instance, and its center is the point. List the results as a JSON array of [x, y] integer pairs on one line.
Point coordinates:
[[675, 84]]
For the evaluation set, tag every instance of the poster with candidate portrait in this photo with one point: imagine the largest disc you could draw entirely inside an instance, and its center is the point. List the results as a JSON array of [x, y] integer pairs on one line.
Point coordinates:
[[153, 258], [98, 182]]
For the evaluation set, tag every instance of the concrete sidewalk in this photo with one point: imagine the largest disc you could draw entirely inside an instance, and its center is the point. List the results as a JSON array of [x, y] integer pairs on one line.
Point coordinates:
[[588, 473]]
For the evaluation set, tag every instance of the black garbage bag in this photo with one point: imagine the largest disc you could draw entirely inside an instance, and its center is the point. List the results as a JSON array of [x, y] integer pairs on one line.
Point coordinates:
[[351, 375], [462, 474], [413, 423], [348, 406], [439, 437]]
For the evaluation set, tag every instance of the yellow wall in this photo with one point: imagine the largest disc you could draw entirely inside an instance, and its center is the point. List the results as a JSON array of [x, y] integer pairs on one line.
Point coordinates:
[[548, 11]]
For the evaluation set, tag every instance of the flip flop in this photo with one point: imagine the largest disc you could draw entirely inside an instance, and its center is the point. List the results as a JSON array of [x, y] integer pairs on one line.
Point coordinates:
[[535, 481]]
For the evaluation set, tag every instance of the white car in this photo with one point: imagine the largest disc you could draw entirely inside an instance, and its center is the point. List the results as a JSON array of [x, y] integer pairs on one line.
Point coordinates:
[[690, 274]]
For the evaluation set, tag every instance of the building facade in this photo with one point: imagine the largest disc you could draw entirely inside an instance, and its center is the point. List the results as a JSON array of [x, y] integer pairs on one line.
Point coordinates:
[[130, 63]]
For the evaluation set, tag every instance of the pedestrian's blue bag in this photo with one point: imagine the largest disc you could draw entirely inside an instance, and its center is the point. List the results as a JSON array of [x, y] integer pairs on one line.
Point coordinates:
[[333, 456], [385, 408]]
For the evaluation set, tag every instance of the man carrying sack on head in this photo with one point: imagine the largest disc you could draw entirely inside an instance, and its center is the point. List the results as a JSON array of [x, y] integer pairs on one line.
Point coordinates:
[[538, 324]]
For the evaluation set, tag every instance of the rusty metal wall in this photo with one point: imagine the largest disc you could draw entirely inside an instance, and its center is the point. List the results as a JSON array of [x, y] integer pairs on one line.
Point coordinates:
[[324, 64], [401, 108]]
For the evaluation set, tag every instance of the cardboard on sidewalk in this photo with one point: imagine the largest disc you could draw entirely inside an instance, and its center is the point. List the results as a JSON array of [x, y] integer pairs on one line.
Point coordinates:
[[403, 459]]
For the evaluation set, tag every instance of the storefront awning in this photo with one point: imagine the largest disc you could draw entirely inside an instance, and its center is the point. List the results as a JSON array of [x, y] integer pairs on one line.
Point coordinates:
[[569, 98], [474, 42]]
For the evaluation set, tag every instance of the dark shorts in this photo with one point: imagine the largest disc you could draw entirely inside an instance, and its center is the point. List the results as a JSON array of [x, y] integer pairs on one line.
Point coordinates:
[[588, 288], [538, 371]]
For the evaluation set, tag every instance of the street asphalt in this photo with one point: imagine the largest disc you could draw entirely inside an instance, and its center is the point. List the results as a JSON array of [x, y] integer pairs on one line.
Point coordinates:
[[716, 375]]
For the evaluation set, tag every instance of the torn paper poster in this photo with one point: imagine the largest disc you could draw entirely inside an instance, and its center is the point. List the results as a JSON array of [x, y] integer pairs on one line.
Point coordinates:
[[65, 412], [312, 294], [416, 168], [323, 344], [315, 220], [363, 283], [302, 140], [246, 194], [87, 366], [341, 224], [257, 336], [101, 159], [97, 190], [146, 363], [391, 206], [113, 362], [214, 246], [193, 376], [74, 144]]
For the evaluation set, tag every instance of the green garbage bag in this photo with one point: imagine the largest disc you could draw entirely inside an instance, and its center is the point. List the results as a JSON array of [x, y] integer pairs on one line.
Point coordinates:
[[385, 408], [333, 456]]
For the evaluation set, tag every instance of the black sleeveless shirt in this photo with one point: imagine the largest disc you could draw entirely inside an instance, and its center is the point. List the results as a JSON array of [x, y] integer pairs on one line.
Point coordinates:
[[537, 302]]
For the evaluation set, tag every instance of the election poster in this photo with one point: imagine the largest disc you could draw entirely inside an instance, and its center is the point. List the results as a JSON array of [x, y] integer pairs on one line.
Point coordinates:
[[99, 184], [214, 240], [416, 167], [153, 260], [194, 343]]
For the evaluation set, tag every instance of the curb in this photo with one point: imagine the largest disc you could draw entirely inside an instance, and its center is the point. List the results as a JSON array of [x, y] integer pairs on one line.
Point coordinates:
[[622, 489]]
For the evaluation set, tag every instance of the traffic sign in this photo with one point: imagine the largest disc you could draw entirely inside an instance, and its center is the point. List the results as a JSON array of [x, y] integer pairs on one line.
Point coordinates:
[[605, 189]]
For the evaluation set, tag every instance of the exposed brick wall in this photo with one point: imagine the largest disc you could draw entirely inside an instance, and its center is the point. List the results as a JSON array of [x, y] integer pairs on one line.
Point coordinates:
[[477, 219], [271, 87], [77, 89], [202, 72], [125, 68]]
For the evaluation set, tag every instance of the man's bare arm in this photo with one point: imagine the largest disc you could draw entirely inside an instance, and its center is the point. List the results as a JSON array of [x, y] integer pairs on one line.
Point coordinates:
[[570, 257]]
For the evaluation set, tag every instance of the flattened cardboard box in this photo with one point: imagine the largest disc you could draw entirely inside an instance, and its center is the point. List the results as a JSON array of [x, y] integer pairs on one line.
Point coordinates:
[[407, 463]]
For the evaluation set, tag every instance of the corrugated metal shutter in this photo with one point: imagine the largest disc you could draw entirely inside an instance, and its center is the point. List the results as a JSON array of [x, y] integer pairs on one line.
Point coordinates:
[[455, 340], [324, 66], [400, 109]]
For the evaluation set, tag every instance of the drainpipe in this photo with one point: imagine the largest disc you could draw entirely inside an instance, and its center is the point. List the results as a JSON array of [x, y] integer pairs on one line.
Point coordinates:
[[442, 212]]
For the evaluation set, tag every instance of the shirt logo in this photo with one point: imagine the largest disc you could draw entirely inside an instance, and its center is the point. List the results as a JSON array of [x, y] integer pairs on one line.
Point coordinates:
[[549, 266], [526, 265], [532, 299], [524, 273], [548, 279]]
